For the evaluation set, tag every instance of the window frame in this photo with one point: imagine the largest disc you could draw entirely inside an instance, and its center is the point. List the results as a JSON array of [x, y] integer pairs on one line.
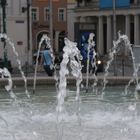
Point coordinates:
[[46, 16], [60, 15], [37, 14]]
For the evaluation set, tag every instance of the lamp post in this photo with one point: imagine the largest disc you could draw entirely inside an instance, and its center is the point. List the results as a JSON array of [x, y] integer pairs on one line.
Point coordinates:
[[28, 24], [27, 9], [28, 34], [3, 5]]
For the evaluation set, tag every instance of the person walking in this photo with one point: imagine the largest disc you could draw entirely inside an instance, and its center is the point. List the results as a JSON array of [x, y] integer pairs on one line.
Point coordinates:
[[48, 62]]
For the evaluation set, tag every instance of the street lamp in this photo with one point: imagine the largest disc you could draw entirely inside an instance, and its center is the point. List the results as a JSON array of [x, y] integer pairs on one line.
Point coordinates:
[[3, 4], [28, 22], [27, 9], [28, 33]]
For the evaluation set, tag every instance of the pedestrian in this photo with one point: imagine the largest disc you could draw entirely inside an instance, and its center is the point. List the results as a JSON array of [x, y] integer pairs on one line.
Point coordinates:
[[48, 62]]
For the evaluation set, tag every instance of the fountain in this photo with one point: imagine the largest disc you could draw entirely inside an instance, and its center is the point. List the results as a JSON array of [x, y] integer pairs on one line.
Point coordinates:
[[71, 55], [71, 58], [7, 39], [122, 39], [5, 73], [91, 45], [51, 115], [48, 45]]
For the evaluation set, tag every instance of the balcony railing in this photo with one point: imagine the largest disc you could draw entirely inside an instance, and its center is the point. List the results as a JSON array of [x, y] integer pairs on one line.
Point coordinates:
[[106, 4]]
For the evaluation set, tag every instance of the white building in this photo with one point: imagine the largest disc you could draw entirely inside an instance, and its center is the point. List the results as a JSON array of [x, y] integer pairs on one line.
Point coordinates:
[[16, 28], [95, 16]]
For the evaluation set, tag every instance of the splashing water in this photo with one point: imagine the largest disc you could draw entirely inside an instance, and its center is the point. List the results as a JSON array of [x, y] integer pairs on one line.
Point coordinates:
[[47, 40], [134, 79], [101, 120], [17, 59], [135, 73], [91, 45], [71, 55], [122, 39], [5, 73]]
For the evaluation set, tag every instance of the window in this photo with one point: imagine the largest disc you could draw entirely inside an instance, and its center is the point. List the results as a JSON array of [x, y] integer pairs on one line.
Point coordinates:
[[61, 14], [34, 14], [47, 14]]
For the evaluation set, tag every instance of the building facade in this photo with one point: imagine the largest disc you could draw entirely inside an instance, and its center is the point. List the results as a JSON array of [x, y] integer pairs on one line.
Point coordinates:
[[103, 18], [25, 31], [43, 24], [16, 29]]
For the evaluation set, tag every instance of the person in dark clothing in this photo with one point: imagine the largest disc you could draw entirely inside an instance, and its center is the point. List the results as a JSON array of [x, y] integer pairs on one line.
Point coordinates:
[[48, 62]]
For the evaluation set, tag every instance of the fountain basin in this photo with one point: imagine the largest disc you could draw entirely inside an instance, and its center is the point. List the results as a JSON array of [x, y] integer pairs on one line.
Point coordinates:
[[114, 117], [45, 80]]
